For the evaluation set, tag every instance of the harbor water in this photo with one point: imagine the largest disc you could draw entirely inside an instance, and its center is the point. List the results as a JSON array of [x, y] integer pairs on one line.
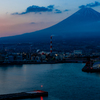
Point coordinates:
[[62, 81]]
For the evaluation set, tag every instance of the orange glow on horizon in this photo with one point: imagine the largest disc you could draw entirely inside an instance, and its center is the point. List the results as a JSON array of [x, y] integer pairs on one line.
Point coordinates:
[[17, 29], [11, 25]]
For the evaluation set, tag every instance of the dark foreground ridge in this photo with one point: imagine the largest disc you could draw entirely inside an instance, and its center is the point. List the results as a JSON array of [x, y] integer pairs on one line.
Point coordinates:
[[23, 95]]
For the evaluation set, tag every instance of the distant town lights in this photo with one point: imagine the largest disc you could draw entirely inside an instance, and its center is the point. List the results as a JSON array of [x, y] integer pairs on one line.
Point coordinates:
[[56, 54]]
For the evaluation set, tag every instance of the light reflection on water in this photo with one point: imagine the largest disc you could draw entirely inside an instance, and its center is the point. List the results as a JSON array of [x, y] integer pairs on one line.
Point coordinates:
[[62, 81], [19, 78]]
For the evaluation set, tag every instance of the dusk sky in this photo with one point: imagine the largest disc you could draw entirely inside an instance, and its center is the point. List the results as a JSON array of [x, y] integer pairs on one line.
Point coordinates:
[[22, 16]]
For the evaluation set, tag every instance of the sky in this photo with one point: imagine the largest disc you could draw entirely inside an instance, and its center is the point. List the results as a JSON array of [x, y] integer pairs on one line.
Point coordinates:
[[24, 16]]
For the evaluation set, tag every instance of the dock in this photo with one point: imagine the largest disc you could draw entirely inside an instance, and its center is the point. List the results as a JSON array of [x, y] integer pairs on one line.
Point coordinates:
[[24, 95]]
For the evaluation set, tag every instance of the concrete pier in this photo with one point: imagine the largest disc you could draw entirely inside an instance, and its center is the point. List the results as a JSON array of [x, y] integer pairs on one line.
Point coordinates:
[[23, 95]]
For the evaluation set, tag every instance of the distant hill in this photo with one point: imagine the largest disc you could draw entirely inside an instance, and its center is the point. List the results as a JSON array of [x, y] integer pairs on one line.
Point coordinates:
[[82, 24]]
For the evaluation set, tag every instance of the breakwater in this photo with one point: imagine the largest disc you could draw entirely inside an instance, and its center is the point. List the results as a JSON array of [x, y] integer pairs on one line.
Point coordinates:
[[46, 62], [23, 95]]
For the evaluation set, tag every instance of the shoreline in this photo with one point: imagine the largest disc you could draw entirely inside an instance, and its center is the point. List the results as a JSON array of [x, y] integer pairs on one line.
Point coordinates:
[[49, 62]]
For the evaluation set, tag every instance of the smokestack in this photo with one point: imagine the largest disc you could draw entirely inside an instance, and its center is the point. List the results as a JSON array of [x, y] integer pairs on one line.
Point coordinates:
[[51, 44]]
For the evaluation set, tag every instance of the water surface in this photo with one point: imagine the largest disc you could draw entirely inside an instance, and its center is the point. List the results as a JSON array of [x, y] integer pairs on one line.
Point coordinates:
[[62, 81]]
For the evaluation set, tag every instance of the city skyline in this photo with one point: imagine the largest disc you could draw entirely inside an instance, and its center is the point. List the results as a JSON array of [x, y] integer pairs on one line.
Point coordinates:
[[23, 16]]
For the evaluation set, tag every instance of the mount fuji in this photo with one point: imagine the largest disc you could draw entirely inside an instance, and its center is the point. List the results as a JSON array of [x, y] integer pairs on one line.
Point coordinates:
[[85, 23]]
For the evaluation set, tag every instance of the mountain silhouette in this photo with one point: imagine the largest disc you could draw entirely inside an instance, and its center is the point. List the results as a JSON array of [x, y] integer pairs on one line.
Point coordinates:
[[82, 24]]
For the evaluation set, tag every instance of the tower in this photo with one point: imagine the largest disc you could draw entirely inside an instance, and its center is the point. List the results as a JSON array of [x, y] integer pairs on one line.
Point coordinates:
[[51, 45]]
